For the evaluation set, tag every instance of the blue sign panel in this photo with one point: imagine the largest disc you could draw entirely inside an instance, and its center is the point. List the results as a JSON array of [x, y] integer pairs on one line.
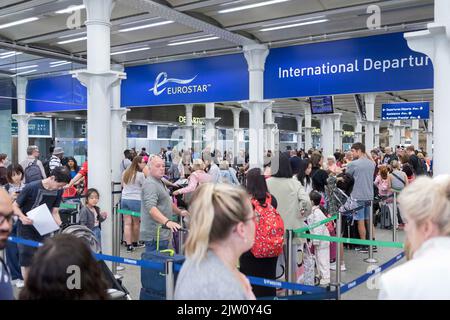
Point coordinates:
[[405, 111], [214, 79], [321, 105], [37, 128], [61, 93], [359, 65]]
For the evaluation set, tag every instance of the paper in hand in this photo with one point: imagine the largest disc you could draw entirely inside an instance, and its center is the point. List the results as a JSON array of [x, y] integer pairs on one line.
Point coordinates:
[[42, 220]]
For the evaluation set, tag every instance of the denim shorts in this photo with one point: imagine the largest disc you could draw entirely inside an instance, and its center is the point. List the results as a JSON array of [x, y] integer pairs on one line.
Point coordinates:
[[364, 213], [132, 205]]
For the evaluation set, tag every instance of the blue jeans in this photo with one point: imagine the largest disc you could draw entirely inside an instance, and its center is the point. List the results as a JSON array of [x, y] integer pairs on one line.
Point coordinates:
[[12, 256], [132, 205], [98, 235], [150, 246], [364, 213]]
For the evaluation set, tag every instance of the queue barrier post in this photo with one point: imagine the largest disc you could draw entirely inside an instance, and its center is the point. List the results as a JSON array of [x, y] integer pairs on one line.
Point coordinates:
[[290, 271], [181, 237], [338, 257], [370, 259], [170, 279], [114, 232]]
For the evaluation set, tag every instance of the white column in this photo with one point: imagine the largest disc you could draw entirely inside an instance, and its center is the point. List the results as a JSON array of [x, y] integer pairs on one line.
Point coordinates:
[[308, 129], [269, 125], [358, 130], [337, 131], [210, 126], [299, 132], [403, 135], [21, 117], [415, 133], [236, 132], [370, 114], [99, 78], [377, 134], [435, 43], [327, 133], [188, 127], [430, 138], [118, 117], [390, 137], [256, 57], [397, 132]]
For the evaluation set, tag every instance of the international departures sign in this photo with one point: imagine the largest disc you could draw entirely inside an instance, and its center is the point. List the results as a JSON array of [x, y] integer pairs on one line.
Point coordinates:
[[360, 65]]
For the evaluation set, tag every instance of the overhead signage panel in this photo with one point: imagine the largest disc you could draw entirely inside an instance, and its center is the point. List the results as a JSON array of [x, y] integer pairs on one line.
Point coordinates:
[[405, 111], [37, 128], [213, 79], [61, 93], [359, 65]]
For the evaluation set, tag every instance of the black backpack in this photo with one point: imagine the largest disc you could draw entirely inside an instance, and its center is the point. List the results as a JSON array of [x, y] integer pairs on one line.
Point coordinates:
[[47, 167], [32, 172]]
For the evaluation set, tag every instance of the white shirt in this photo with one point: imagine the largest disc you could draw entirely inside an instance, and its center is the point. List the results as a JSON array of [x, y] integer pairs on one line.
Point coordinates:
[[425, 277], [214, 172], [132, 190]]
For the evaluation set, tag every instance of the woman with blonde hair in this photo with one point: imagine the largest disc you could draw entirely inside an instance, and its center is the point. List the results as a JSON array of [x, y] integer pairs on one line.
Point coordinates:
[[425, 205], [222, 228]]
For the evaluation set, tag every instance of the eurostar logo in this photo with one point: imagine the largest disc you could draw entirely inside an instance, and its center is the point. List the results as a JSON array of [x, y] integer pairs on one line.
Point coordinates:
[[162, 79]]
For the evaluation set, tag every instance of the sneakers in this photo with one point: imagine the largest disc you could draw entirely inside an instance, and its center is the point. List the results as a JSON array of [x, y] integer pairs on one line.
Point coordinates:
[[324, 282], [130, 248], [19, 283], [138, 244], [333, 267]]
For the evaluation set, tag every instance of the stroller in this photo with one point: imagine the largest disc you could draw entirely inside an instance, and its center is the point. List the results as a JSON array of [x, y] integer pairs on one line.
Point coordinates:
[[116, 289]]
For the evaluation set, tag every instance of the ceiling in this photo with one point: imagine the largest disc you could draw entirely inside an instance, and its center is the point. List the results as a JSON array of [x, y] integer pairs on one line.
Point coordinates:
[[43, 46]]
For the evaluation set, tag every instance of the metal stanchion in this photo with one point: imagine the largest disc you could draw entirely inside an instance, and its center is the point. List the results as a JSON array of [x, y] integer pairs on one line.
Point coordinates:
[[181, 237], [114, 226], [370, 259], [290, 260], [170, 280], [394, 219], [338, 257]]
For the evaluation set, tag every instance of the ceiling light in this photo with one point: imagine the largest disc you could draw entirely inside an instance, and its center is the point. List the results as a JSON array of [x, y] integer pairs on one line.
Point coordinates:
[[15, 23], [130, 50], [59, 64], [251, 6], [25, 67], [71, 35], [191, 41], [25, 72], [156, 24], [293, 25], [11, 54], [70, 9], [72, 40]]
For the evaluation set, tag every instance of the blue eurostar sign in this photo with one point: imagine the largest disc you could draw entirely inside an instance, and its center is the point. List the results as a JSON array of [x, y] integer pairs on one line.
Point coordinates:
[[405, 111]]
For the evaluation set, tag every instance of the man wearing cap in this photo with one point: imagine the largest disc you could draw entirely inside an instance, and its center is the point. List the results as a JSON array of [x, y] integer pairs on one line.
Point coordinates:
[[55, 160]]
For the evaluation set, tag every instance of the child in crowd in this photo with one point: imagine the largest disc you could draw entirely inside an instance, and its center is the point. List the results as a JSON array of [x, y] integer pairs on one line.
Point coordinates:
[[90, 215], [321, 248]]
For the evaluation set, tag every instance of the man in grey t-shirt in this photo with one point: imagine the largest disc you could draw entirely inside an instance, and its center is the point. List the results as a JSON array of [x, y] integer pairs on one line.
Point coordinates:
[[362, 169], [157, 208]]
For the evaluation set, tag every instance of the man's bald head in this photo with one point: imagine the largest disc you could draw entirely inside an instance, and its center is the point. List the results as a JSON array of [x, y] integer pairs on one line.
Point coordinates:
[[5, 217], [157, 167]]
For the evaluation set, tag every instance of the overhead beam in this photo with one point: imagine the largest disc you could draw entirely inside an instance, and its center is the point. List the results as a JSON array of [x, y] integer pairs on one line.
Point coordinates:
[[188, 21]]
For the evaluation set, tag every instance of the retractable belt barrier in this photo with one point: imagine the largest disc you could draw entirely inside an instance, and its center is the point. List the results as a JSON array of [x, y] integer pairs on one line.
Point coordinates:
[[177, 267], [314, 293]]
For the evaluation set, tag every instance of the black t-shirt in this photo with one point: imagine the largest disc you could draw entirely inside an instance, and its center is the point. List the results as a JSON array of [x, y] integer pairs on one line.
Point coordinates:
[[34, 194], [414, 161], [3, 179]]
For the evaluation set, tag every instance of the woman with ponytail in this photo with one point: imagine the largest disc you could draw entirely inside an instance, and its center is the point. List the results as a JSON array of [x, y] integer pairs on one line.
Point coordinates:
[[222, 228]]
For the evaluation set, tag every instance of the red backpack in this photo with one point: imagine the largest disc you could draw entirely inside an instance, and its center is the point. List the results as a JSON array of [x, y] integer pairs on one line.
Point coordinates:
[[269, 231]]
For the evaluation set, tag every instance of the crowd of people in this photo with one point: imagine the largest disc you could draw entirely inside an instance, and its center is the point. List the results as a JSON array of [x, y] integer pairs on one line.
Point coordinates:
[[236, 217]]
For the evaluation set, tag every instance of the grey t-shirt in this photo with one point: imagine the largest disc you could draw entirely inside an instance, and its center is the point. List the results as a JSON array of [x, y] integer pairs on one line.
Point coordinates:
[[208, 280], [154, 194], [362, 171]]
